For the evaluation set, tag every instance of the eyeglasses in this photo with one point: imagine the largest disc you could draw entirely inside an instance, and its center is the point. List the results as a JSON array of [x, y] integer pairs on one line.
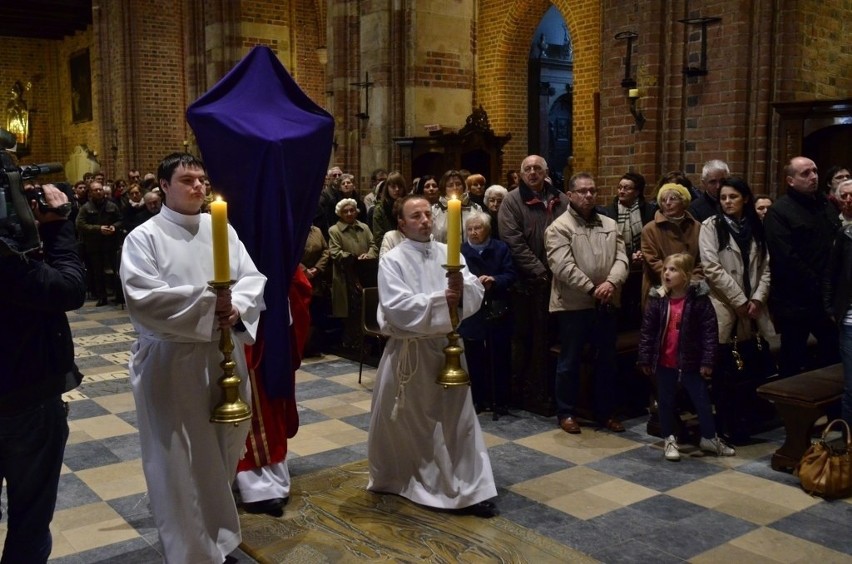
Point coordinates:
[[586, 192], [531, 168]]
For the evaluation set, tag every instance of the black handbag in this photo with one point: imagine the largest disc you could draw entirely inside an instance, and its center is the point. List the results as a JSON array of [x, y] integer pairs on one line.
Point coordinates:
[[751, 358], [495, 309]]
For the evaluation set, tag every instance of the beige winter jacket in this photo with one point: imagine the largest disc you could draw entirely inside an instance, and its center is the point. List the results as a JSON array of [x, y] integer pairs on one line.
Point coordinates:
[[723, 270], [581, 256]]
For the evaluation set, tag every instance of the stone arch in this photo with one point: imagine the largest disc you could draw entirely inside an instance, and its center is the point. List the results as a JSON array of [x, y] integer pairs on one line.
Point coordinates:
[[504, 34]]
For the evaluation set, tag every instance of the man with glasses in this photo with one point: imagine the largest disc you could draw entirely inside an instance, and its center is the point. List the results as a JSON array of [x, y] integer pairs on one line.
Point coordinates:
[[586, 253], [523, 217]]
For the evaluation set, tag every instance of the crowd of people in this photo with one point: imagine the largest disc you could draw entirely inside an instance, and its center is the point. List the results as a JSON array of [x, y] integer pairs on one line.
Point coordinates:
[[569, 269], [104, 212], [690, 268]]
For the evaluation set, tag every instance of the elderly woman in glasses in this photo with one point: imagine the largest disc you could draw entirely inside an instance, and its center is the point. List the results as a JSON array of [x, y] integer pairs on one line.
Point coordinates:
[[673, 230], [488, 334]]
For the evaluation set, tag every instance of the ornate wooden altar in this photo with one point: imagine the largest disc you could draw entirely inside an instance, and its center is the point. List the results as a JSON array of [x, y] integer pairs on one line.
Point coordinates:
[[475, 148]]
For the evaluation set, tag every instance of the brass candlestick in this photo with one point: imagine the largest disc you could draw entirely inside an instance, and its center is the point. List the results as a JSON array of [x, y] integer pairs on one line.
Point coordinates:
[[453, 374], [231, 408]]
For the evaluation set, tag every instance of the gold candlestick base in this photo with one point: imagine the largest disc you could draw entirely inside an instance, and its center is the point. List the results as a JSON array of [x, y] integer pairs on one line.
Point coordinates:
[[453, 374], [231, 408]]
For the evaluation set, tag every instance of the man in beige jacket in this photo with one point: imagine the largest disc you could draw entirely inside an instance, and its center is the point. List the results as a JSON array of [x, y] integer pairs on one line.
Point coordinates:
[[586, 253]]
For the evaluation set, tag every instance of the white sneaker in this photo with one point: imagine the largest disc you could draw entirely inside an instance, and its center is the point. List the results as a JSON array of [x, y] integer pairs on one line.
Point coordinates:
[[716, 446], [671, 450]]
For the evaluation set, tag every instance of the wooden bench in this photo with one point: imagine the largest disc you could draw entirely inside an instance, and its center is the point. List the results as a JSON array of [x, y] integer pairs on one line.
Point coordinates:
[[801, 400]]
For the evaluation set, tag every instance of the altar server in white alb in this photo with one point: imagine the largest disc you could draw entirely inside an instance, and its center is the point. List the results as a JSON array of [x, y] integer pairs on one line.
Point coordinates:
[[425, 443], [188, 461]]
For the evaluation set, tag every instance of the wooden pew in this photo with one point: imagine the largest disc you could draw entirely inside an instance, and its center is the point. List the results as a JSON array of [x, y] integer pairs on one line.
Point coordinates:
[[801, 400]]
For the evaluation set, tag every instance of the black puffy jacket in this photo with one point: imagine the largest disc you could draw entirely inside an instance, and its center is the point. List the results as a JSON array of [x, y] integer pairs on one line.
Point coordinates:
[[699, 334]]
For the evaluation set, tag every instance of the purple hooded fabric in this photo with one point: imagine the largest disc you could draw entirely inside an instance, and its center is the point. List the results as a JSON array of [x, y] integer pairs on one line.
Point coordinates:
[[266, 147]]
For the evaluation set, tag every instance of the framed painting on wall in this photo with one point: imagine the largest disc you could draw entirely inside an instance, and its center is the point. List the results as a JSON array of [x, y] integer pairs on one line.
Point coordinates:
[[80, 71]]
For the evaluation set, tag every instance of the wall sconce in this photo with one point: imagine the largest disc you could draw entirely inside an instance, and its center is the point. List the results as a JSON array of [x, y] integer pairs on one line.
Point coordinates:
[[628, 81], [633, 97], [365, 115], [701, 69]]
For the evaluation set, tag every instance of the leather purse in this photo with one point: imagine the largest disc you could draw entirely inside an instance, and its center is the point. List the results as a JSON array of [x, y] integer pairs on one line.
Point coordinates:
[[751, 358], [825, 470]]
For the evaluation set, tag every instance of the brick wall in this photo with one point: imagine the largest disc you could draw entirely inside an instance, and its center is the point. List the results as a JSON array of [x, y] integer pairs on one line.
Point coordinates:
[[814, 51], [690, 120]]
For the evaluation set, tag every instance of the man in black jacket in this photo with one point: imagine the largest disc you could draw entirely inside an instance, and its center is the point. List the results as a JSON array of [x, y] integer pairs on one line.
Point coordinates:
[[800, 229], [38, 366], [99, 222]]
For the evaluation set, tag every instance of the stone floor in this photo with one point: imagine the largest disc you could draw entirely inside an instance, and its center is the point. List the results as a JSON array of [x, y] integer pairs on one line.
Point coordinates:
[[612, 497]]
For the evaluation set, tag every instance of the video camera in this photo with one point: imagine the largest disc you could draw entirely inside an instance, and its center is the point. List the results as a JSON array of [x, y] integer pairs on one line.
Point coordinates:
[[18, 228]]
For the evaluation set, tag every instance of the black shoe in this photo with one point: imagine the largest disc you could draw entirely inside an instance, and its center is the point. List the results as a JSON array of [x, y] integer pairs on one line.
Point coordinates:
[[230, 559], [101, 302], [483, 509], [273, 507]]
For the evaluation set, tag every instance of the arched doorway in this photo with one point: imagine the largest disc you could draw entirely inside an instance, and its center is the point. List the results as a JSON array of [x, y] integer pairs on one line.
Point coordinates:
[[550, 89]]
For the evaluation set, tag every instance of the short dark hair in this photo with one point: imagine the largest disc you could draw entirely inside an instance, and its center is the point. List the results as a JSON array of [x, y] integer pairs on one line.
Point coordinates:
[[573, 180], [421, 183], [675, 177], [442, 183], [637, 179], [400, 203], [374, 176], [829, 175], [170, 163]]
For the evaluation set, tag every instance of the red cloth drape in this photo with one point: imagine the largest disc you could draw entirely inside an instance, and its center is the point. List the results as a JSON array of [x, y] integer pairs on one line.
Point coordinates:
[[273, 421]]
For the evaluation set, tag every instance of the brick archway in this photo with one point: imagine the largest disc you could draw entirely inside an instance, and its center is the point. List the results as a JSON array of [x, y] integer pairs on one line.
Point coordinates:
[[504, 37]]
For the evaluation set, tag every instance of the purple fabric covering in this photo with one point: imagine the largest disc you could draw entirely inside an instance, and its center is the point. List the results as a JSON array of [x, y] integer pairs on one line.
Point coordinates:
[[266, 147]]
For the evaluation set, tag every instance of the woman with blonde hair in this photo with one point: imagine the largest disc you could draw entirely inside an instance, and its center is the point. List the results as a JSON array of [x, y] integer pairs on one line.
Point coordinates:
[[673, 230]]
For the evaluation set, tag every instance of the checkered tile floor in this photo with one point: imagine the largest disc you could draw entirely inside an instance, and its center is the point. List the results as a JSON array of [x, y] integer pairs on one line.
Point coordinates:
[[610, 496]]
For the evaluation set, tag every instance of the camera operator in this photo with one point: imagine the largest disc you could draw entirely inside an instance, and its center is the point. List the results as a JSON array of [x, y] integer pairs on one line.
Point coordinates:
[[37, 353]]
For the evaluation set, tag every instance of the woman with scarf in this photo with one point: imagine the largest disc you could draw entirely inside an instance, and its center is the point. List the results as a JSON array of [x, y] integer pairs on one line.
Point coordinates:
[[736, 266], [630, 210]]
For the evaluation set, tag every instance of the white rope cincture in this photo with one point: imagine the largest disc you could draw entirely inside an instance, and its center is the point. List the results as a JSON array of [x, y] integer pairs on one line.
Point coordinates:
[[406, 368]]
